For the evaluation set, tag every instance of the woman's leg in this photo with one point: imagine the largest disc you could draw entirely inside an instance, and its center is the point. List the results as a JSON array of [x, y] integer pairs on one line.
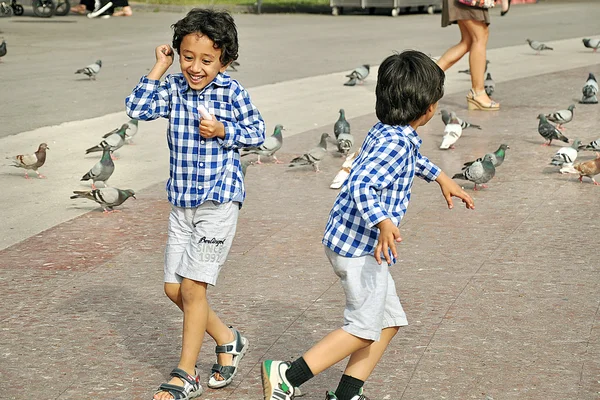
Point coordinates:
[[479, 32], [455, 53]]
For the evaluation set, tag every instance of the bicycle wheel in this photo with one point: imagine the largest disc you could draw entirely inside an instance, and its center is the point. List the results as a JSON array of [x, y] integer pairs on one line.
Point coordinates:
[[43, 8], [63, 8]]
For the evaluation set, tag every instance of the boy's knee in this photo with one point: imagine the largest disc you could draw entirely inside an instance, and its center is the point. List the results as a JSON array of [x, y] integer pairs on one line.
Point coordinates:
[[172, 291], [192, 290]]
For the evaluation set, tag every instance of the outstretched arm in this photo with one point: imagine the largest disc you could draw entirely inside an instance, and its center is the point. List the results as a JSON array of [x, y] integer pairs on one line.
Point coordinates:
[[451, 189]]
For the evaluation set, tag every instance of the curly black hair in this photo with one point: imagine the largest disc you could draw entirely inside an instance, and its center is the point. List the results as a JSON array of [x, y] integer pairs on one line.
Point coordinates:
[[407, 84], [218, 26]]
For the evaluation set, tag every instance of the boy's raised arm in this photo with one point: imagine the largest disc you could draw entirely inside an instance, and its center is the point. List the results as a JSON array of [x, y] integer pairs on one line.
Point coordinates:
[[249, 129]]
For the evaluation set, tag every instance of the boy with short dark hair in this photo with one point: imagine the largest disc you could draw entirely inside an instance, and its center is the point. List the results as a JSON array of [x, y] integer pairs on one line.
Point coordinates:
[[210, 118], [363, 227]]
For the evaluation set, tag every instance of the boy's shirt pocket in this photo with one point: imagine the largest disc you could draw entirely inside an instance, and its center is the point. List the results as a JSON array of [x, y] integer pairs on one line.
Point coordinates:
[[222, 110]]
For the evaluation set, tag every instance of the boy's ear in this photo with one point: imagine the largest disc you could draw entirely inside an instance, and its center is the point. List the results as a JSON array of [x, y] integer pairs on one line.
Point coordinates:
[[224, 67]]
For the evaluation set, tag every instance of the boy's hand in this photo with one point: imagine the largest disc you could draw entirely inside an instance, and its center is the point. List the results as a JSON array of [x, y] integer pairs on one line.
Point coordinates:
[[389, 235], [452, 189], [164, 55], [212, 128], [164, 59]]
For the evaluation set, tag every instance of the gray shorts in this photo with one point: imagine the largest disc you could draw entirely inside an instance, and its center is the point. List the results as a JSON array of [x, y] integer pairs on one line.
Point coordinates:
[[199, 240], [371, 300]]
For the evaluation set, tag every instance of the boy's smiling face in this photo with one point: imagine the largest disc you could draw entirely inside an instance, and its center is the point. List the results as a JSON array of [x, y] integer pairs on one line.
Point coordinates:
[[200, 60]]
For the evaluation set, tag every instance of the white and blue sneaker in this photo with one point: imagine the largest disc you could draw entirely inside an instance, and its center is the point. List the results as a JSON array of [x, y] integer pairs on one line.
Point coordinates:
[[275, 383]]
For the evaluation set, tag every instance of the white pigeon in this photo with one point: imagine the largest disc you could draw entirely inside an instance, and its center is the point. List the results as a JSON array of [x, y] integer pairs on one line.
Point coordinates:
[[562, 116], [91, 70], [345, 141], [565, 157], [452, 132], [343, 173], [592, 44]]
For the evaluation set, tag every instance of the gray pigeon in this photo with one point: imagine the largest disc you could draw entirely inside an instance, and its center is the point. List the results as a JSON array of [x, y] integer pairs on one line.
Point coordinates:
[[244, 165], [468, 71], [497, 157], [549, 131], [590, 90], [91, 70], [31, 161], [562, 117], [132, 128], [358, 75], [313, 156], [463, 124], [103, 169], [592, 44], [108, 197], [3, 49], [341, 125], [480, 172], [344, 143], [269, 146], [115, 141], [538, 46], [594, 146], [489, 84]]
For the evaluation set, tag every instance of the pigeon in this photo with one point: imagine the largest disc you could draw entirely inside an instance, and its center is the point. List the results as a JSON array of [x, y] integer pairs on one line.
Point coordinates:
[[489, 84], [31, 161], [3, 49], [107, 197], [480, 172], [589, 168], [343, 173], [561, 117], [103, 169], [468, 71], [244, 165], [595, 146], [565, 157], [313, 156], [341, 125], [549, 131], [537, 46], [452, 132], [91, 70], [497, 157], [233, 65], [269, 146], [463, 124], [358, 75], [115, 141], [590, 90], [344, 143], [592, 44], [132, 128]]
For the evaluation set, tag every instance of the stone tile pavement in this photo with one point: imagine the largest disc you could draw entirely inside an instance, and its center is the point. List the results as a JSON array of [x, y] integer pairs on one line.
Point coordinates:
[[502, 301]]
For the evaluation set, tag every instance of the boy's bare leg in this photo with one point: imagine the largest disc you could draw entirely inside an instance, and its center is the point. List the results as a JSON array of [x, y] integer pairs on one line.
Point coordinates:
[[456, 52], [214, 327], [333, 348], [195, 318], [363, 361]]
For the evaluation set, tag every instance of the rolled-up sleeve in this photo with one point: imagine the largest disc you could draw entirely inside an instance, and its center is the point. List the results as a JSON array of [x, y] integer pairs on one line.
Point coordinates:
[[149, 100], [248, 129], [425, 169], [384, 167]]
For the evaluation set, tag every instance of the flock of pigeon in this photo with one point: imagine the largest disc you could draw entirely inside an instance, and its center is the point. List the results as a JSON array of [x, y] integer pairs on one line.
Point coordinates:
[[479, 171], [483, 169]]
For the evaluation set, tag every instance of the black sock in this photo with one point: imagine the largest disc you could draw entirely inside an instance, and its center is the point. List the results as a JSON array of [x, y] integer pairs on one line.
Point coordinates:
[[348, 387], [298, 373]]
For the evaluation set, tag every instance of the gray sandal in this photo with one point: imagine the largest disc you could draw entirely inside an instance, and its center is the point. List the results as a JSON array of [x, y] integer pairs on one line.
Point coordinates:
[[191, 386], [237, 348]]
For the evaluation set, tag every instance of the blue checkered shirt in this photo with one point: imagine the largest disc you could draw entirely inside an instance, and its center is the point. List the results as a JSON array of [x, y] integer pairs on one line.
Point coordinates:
[[377, 188], [201, 169]]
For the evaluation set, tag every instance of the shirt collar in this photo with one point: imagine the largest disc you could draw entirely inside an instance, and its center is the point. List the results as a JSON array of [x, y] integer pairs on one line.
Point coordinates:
[[412, 135], [222, 79]]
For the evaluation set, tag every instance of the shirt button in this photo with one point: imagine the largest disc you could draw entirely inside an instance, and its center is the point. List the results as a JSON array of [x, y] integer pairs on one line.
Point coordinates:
[[202, 164], [201, 97], [202, 142]]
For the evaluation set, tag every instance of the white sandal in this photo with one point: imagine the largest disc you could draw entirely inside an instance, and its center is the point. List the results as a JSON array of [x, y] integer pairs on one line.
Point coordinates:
[[237, 348]]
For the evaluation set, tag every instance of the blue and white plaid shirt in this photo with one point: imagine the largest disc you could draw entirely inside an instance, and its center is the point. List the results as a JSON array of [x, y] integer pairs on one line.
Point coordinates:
[[377, 188], [201, 169]]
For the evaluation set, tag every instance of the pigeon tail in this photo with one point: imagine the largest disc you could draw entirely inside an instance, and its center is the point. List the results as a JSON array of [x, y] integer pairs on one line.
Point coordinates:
[[93, 149]]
